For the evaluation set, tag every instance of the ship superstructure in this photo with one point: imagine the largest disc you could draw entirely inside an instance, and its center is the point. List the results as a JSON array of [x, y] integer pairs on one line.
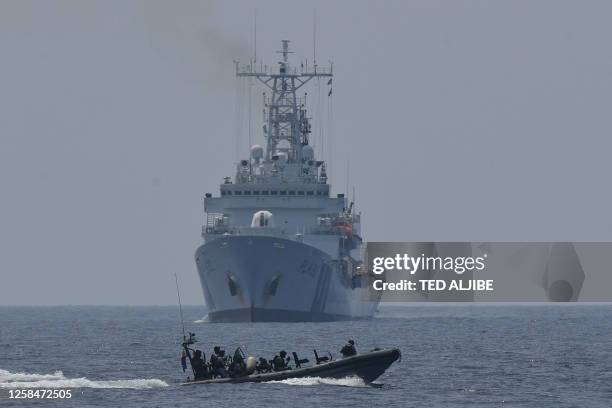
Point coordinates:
[[277, 246]]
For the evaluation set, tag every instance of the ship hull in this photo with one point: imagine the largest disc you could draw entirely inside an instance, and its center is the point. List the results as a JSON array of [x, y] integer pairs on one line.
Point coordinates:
[[268, 278]]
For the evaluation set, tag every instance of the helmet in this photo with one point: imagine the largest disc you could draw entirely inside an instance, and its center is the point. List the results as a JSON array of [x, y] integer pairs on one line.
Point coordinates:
[[351, 342]]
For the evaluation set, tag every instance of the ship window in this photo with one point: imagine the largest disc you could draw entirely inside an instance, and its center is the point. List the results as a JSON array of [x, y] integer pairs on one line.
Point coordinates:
[[228, 192], [300, 193], [255, 192], [238, 193], [319, 193], [222, 192], [310, 193], [273, 192], [283, 193], [264, 192], [247, 192], [291, 192]]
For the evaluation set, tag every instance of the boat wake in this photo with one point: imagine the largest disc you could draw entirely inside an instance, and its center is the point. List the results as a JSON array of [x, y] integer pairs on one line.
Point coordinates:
[[58, 380], [204, 319], [342, 382]]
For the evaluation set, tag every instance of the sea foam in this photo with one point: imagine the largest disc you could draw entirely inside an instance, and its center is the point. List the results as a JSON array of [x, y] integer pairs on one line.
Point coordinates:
[[343, 382], [58, 380]]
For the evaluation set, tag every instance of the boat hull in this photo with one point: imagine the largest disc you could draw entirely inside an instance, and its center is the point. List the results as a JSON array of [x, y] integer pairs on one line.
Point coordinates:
[[268, 278], [368, 367]]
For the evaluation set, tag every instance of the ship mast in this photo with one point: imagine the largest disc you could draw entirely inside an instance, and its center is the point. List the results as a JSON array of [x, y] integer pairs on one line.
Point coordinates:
[[285, 111]]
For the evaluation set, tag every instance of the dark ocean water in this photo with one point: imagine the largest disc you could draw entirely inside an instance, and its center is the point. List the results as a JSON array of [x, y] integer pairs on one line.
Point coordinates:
[[453, 356]]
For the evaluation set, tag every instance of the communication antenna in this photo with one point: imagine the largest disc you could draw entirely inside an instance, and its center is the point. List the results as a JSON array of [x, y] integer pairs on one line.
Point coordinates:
[[314, 39], [255, 35], [348, 168], [239, 117], [330, 120], [250, 113], [320, 120], [178, 292]]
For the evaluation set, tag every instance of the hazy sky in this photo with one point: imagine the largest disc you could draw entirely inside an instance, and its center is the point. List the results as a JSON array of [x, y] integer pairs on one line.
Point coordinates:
[[463, 121]]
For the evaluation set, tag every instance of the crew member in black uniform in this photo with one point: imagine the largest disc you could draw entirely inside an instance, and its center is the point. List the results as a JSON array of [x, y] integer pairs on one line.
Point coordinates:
[[279, 362], [217, 362], [263, 366], [238, 366], [349, 349], [198, 365]]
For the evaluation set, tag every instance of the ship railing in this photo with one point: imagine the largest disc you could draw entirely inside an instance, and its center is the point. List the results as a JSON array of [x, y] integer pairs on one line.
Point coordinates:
[[242, 230], [317, 230], [323, 230], [215, 229]]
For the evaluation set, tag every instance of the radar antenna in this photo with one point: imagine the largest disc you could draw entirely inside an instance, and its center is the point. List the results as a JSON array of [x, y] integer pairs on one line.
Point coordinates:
[[287, 125]]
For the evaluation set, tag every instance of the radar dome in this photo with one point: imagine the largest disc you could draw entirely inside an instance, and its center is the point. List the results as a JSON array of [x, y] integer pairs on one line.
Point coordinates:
[[257, 152], [307, 152]]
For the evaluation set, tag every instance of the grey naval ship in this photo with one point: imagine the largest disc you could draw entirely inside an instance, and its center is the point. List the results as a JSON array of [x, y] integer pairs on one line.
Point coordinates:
[[277, 245]]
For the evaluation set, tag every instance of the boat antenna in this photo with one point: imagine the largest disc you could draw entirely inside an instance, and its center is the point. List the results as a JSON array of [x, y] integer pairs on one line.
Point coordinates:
[[178, 292]]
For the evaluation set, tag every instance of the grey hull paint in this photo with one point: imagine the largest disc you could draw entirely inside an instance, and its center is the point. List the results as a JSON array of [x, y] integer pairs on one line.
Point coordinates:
[[266, 278], [274, 315]]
